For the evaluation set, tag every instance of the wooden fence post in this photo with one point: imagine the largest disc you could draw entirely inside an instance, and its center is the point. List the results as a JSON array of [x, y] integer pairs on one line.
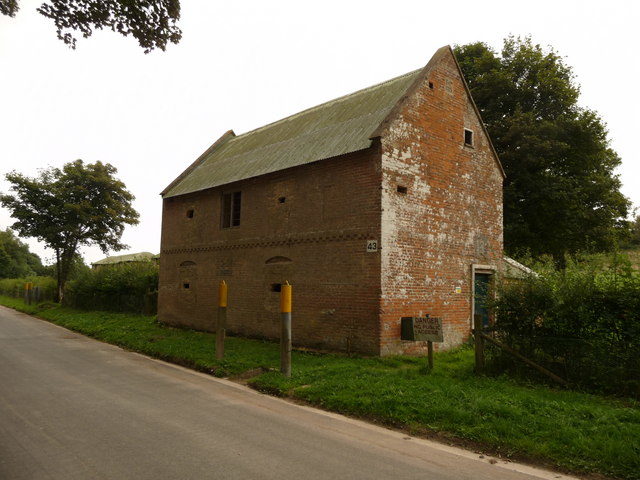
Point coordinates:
[[479, 343], [285, 333], [430, 354], [221, 326]]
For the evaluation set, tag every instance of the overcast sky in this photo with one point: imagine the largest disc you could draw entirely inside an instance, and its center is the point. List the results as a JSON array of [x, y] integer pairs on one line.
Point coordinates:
[[242, 64]]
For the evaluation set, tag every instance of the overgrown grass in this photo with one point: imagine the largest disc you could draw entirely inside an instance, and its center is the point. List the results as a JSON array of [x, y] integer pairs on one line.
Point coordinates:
[[571, 430], [603, 261]]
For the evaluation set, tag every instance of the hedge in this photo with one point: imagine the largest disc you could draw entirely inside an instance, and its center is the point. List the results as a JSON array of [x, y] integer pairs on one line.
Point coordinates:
[[130, 287], [583, 324]]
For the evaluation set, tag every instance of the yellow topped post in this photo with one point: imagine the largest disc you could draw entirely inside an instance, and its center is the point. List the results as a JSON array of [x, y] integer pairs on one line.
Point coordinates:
[[28, 287], [285, 332], [222, 319], [285, 298], [222, 294]]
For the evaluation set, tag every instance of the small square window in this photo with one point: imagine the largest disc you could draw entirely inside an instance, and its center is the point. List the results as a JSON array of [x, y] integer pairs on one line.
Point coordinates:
[[231, 205], [282, 199], [468, 138], [431, 85], [276, 287], [186, 286], [401, 189], [190, 213]]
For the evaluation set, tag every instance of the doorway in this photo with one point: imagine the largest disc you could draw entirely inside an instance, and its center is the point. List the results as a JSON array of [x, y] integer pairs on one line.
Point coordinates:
[[481, 292]]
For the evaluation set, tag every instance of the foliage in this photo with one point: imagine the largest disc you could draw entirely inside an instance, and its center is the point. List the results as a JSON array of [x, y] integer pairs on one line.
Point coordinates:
[[71, 207], [78, 267], [8, 7], [582, 323], [561, 194], [15, 258], [151, 22], [129, 287], [634, 232], [14, 287], [577, 431]]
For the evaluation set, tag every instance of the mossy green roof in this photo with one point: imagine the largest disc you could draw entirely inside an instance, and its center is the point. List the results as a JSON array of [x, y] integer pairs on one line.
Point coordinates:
[[130, 257], [334, 128]]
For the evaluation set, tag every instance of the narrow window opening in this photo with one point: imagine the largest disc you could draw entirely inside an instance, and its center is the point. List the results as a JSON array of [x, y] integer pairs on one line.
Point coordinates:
[[468, 138], [401, 189], [186, 285], [431, 85], [235, 209], [190, 213], [231, 207], [276, 287], [282, 199]]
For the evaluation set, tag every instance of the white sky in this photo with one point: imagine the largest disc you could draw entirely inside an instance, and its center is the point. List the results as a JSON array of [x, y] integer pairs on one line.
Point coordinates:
[[242, 64]]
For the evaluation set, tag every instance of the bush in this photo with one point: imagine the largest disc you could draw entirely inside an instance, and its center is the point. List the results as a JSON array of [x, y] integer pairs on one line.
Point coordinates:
[[130, 287], [14, 287], [581, 323]]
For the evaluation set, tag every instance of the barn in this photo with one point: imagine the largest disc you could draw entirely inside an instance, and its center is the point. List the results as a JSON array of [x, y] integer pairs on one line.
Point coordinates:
[[378, 205]]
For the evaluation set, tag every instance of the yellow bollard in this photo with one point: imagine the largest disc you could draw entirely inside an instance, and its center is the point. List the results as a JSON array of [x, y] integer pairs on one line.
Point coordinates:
[[222, 319], [222, 294], [285, 298], [285, 333]]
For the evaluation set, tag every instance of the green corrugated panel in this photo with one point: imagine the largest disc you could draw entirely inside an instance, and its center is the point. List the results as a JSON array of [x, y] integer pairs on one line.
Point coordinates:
[[130, 257], [334, 128]]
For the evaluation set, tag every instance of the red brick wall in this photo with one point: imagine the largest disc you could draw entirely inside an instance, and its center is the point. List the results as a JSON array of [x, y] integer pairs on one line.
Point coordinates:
[[332, 207], [450, 217]]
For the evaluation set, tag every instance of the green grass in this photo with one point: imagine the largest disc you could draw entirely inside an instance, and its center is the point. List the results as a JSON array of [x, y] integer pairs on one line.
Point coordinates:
[[574, 431]]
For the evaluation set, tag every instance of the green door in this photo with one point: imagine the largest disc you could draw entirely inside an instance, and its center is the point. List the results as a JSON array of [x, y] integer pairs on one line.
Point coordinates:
[[481, 283]]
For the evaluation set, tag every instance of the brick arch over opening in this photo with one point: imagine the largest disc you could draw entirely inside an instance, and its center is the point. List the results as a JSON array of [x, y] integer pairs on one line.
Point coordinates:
[[278, 259], [187, 263]]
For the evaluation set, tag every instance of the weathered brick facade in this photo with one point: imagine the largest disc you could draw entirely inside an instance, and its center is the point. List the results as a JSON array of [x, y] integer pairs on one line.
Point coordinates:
[[451, 216], [310, 224]]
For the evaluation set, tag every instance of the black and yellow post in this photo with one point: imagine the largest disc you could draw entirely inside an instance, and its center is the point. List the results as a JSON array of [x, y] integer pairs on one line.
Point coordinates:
[[285, 333], [222, 320]]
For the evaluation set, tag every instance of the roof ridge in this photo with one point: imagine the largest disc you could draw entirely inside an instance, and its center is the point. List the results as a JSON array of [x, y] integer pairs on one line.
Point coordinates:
[[329, 102]]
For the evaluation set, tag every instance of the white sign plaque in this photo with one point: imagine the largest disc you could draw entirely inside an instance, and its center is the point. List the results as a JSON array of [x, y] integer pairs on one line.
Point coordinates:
[[372, 245]]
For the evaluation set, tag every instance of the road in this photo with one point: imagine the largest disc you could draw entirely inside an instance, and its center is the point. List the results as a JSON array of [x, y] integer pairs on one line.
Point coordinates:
[[75, 408]]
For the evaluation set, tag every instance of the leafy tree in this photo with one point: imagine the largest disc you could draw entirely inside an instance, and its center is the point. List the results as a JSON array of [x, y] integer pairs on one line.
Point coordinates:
[[151, 22], [634, 237], [78, 267], [561, 194], [78, 205], [15, 258]]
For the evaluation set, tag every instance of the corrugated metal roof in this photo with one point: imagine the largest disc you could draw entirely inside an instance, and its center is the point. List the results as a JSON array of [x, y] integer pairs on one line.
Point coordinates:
[[514, 269], [334, 128], [130, 257]]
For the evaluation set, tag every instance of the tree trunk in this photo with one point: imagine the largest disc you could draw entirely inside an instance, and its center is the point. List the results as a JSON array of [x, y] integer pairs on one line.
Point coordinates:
[[60, 290], [66, 260], [560, 260]]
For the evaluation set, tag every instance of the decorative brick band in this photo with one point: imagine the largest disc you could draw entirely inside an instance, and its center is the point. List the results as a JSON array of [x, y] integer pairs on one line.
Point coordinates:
[[273, 242]]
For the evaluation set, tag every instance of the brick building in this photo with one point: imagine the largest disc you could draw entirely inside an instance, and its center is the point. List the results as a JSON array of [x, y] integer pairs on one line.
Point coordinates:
[[377, 205]]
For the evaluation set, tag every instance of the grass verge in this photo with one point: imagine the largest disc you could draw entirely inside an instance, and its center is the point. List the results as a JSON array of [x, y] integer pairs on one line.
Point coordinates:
[[574, 431]]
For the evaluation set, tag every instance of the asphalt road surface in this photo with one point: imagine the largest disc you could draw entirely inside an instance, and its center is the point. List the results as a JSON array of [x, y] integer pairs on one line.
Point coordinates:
[[74, 408]]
